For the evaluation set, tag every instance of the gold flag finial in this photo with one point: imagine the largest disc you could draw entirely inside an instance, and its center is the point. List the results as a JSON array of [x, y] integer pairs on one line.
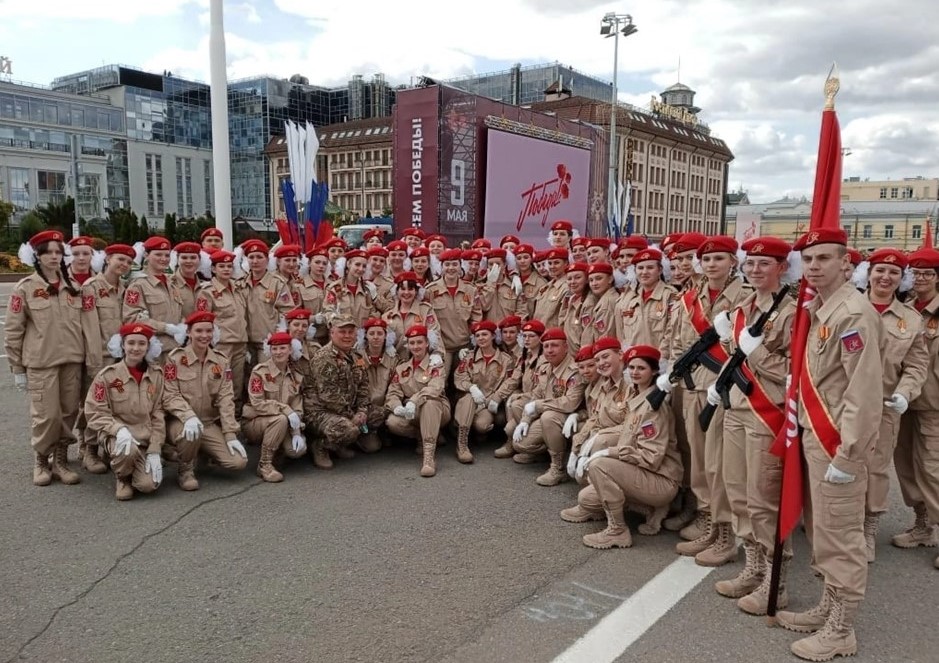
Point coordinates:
[[832, 85]]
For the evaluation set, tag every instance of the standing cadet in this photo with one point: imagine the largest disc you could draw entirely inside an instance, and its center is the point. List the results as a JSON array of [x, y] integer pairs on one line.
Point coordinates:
[[409, 308], [186, 275], [267, 297], [840, 410], [558, 392], [561, 234], [376, 346], [212, 240], [483, 381], [78, 256], [125, 408], [456, 306], [51, 331], [498, 293], [531, 280], [272, 413], [642, 314], [523, 384], [603, 300], [351, 295], [507, 336], [420, 265], [335, 396], [550, 296], [287, 266], [377, 257], [416, 399], [313, 292], [152, 299], [574, 315], [397, 258], [198, 378]]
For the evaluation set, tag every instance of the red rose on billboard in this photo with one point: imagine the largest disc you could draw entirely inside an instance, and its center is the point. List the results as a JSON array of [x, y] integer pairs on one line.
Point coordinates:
[[539, 199]]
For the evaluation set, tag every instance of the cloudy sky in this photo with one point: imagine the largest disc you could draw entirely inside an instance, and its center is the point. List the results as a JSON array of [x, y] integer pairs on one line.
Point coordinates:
[[758, 65]]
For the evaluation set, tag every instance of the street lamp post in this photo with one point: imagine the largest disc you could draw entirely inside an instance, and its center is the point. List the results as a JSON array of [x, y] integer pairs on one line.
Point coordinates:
[[610, 27]]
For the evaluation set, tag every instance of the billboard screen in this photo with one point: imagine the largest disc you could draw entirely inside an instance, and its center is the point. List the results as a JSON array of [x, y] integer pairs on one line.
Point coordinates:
[[531, 183], [747, 226], [416, 146]]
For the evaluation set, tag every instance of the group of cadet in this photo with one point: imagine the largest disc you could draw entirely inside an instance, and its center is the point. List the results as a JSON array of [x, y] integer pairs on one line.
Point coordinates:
[[596, 358]]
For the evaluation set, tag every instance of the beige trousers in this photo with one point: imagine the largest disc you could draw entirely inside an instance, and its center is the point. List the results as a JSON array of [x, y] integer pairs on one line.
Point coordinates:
[[54, 399]]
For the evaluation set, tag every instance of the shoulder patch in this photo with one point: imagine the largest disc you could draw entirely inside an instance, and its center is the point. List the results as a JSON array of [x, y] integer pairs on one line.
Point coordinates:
[[131, 297], [16, 303], [202, 304], [88, 302], [851, 341], [99, 391], [257, 385], [169, 370], [648, 429]]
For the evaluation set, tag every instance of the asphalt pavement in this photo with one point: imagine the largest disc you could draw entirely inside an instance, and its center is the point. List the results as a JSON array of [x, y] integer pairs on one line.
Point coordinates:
[[370, 562]]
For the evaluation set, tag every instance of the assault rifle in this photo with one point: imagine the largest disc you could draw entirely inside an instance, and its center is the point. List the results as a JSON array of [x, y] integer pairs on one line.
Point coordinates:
[[732, 374], [696, 355]]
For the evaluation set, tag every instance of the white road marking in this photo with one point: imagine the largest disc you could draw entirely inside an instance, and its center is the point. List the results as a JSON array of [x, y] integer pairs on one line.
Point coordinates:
[[606, 641]]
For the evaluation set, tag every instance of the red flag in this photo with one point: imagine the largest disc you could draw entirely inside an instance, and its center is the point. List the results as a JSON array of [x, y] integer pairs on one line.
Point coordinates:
[[927, 241]]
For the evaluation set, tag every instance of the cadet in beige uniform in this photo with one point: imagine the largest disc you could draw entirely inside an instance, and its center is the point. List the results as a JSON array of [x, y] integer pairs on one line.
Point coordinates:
[[483, 381], [642, 314], [152, 299], [550, 297], [212, 240], [840, 428], [313, 292], [602, 312], [375, 346], [531, 280], [416, 400], [643, 468], [187, 276], [456, 306], [272, 413], [507, 336], [607, 400], [351, 295], [916, 457], [200, 376], [125, 408], [523, 384], [286, 259], [501, 294], [397, 258], [906, 362], [574, 315], [410, 309], [377, 257], [558, 392], [51, 332], [267, 297]]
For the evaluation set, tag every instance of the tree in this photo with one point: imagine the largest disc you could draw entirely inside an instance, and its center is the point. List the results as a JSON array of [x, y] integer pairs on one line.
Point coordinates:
[[169, 227], [58, 215], [31, 224], [144, 232]]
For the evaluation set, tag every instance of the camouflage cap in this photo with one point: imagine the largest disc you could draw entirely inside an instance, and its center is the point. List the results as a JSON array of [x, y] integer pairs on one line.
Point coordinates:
[[342, 321]]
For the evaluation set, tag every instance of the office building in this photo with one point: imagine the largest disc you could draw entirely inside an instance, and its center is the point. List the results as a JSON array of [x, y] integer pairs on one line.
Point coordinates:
[[520, 85], [908, 188]]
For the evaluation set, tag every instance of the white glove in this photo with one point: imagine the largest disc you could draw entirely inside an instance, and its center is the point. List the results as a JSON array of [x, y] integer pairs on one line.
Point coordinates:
[[319, 318], [154, 467], [436, 361], [192, 429], [897, 403], [572, 464], [19, 379], [588, 445], [372, 290], [492, 276], [464, 353], [294, 420], [123, 441], [834, 475], [410, 410], [298, 443], [749, 343], [585, 461], [493, 407], [516, 284], [236, 447], [664, 384], [723, 327], [178, 332], [520, 431], [570, 425], [399, 411], [530, 408], [477, 395], [714, 398]]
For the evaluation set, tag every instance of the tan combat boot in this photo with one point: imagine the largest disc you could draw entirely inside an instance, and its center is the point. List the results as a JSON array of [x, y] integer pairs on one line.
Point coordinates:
[[429, 468], [871, 521], [757, 601], [922, 533], [723, 550], [370, 442], [812, 619], [525, 458], [60, 468], [123, 491], [555, 473], [89, 457], [836, 638], [749, 578], [186, 476], [266, 469], [693, 547], [578, 514], [42, 473], [462, 445], [653, 516], [506, 450], [616, 534], [686, 516], [696, 528], [321, 457]]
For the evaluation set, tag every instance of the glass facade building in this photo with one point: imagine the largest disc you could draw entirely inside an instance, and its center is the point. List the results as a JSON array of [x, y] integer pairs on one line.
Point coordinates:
[[521, 86]]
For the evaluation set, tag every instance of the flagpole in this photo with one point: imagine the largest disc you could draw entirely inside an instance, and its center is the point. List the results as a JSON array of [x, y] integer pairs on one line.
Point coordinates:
[[221, 160]]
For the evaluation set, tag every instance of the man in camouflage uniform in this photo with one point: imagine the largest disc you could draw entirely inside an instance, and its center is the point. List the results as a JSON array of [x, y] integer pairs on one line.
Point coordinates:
[[336, 396]]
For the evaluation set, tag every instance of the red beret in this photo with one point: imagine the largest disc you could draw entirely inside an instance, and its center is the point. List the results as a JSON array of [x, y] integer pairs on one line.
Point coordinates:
[[420, 252], [606, 343], [397, 245], [647, 352], [563, 225], [379, 251], [157, 243], [924, 259], [354, 253], [279, 338], [524, 248], [536, 326], [637, 242], [374, 322], [497, 253], [222, 256], [599, 242], [413, 232], [188, 247], [406, 276], [374, 232], [855, 256], [580, 241], [287, 251], [554, 334], [471, 254], [771, 247], [336, 242], [600, 268], [510, 321], [539, 256], [509, 238], [317, 251], [647, 254], [584, 354], [556, 254], [485, 325], [46, 236], [254, 246], [81, 240], [120, 249], [415, 330], [577, 267], [451, 254], [136, 328], [211, 232], [436, 238], [888, 257], [200, 316], [669, 240], [298, 314], [718, 244], [481, 243], [688, 242], [821, 236]]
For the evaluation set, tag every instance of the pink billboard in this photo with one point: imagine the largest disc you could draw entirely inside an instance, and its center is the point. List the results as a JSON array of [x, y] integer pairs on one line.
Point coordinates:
[[531, 183]]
